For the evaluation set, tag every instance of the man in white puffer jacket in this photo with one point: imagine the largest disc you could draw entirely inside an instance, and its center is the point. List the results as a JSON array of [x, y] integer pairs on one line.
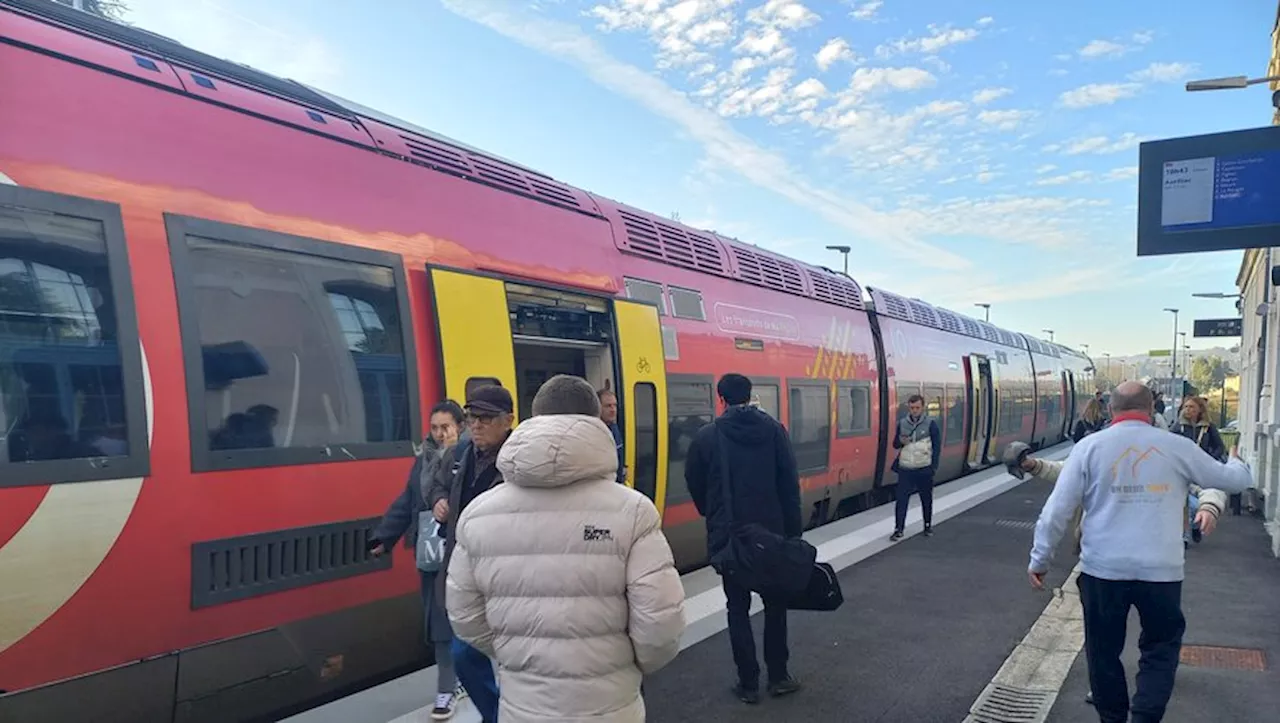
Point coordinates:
[[561, 575]]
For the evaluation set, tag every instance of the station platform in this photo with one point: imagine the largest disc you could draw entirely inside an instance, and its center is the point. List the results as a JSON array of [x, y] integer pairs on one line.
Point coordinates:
[[943, 629]]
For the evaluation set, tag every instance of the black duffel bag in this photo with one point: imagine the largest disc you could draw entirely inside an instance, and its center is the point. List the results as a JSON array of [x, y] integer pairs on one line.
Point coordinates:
[[822, 594], [756, 557]]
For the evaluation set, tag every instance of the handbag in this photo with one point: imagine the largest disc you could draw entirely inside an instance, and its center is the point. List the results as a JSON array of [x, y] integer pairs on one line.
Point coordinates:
[[756, 557], [822, 594], [430, 547]]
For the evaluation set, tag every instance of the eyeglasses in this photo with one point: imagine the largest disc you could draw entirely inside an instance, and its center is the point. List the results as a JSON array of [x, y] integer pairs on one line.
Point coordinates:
[[474, 419]]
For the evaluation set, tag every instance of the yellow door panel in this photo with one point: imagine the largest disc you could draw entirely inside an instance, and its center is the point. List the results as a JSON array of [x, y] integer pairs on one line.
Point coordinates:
[[644, 387], [474, 331]]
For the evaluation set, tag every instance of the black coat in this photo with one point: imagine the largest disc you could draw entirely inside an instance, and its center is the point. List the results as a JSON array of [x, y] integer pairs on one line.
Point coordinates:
[[1204, 434], [766, 485]]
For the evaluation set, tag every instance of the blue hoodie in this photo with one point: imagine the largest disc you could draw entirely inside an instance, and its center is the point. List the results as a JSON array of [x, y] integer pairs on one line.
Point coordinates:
[[1132, 479]]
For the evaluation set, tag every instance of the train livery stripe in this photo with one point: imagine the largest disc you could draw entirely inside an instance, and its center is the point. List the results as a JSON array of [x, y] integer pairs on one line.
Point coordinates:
[[475, 330], [641, 358], [63, 543]]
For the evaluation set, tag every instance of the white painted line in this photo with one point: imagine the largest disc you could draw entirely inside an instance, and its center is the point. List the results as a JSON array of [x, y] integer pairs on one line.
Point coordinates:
[[842, 543]]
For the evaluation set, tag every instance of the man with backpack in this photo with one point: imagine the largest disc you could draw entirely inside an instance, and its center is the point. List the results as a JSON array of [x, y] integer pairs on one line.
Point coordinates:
[[764, 488], [919, 443]]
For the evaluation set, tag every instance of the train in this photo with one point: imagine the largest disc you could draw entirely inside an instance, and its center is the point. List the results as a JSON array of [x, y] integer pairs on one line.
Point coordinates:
[[227, 300]]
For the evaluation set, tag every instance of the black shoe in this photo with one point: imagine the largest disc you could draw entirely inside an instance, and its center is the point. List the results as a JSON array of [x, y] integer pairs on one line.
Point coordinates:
[[928, 530], [897, 535], [750, 696], [786, 686], [1088, 697]]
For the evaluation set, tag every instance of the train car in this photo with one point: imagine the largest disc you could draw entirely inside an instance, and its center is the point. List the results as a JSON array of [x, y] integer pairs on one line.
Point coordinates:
[[227, 300]]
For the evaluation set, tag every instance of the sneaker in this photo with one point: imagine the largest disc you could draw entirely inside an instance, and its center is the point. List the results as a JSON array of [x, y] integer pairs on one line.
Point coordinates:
[[1088, 697], [897, 535], [928, 530], [750, 696], [786, 686], [445, 703], [460, 692]]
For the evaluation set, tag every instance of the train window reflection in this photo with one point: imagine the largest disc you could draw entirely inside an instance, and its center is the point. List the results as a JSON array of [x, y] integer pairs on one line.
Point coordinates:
[[61, 389], [765, 398], [299, 351], [954, 431], [689, 407], [810, 414], [645, 475], [853, 408]]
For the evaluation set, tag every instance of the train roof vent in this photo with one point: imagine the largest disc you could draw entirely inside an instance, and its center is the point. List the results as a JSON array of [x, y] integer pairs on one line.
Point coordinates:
[[949, 321], [891, 304], [671, 243], [834, 288], [1005, 337], [972, 327], [989, 332], [922, 313], [761, 269]]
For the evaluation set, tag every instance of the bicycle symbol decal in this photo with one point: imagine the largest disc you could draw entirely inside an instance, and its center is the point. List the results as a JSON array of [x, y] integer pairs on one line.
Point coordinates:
[[642, 366]]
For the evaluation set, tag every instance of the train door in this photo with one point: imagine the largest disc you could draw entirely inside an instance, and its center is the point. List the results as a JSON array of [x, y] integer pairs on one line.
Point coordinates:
[[1073, 401], [1064, 402], [518, 335], [981, 409]]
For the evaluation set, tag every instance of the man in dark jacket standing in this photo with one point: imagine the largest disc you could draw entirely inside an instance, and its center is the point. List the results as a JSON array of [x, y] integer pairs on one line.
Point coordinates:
[[919, 443], [765, 490], [467, 471]]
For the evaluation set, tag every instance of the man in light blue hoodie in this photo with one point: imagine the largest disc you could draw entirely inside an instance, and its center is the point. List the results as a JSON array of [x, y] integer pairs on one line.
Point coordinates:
[[1132, 480]]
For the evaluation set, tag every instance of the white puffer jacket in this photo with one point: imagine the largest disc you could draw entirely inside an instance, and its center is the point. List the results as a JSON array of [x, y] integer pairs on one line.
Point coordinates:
[[564, 578]]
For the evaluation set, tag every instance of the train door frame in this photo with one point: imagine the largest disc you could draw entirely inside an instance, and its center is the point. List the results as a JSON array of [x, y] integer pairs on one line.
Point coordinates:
[[1064, 398], [471, 314], [979, 399]]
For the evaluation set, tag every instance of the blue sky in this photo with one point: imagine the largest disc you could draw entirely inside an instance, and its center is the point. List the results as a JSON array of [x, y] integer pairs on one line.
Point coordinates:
[[967, 151]]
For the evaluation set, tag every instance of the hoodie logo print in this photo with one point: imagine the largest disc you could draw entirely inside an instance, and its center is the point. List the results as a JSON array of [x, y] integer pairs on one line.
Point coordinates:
[[591, 533]]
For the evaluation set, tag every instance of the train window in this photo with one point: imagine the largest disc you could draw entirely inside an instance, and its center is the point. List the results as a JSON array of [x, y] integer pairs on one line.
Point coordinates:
[[954, 431], [295, 348], [687, 304], [853, 409], [810, 414], [645, 475], [646, 291], [765, 396], [72, 402], [689, 407], [933, 396]]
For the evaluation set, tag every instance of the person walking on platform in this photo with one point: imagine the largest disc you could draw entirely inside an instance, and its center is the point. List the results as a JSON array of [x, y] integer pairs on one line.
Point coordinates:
[[609, 415], [1194, 424], [563, 576], [466, 472], [1132, 480], [1091, 420], [403, 519], [919, 443], [766, 491]]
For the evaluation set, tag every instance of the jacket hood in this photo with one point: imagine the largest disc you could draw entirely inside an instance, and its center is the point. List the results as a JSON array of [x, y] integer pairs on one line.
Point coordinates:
[[747, 425], [558, 450]]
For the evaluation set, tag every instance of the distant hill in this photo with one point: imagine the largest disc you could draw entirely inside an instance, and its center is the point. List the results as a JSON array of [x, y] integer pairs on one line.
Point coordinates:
[[1142, 365]]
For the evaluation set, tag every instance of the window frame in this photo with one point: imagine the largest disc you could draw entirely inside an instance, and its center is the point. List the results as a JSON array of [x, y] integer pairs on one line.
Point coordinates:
[[702, 304], [203, 459], [948, 405], [841, 387], [791, 427], [776, 383], [133, 385], [651, 490], [662, 293], [710, 381]]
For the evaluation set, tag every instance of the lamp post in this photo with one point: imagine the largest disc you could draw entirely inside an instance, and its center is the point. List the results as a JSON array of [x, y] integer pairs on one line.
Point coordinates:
[[1186, 353], [1086, 349], [986, 312], [1107, 354], [1233, 82], [844, 250], [1049, 332], [1173, 371], [1215, 295]]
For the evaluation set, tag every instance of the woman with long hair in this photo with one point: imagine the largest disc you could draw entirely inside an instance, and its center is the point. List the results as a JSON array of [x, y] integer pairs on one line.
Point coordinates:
[[1193, 423], [1091, 420]]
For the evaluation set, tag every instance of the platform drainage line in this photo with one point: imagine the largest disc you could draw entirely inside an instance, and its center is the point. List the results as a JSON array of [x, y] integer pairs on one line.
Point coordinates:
[[1017, 524], [1007, 704]]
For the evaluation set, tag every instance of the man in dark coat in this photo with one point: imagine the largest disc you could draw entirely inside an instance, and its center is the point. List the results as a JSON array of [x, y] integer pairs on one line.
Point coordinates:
[[765, 489]]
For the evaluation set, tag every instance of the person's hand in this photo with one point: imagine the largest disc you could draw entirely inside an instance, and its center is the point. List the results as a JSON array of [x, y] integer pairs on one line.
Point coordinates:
[[378, 551], [1036, 578], [441, 511], [1206, 521]]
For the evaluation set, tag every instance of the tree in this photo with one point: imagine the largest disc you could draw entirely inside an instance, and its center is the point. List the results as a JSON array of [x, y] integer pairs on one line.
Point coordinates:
[[1207, 373], [109, 9]]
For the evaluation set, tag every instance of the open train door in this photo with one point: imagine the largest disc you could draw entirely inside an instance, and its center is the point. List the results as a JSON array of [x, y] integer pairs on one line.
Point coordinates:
[[980, 392], [474, 332], [643, 392], [1065, 404]]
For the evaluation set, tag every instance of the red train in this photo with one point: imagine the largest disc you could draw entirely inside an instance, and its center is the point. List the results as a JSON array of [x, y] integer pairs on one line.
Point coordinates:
[[226, 300]]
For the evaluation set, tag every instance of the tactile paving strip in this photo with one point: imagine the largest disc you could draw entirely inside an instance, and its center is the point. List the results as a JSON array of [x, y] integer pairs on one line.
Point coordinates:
[[1208, 656]]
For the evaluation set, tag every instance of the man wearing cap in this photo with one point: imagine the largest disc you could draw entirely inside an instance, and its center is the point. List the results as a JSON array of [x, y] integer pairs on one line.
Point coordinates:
[[467, 471]]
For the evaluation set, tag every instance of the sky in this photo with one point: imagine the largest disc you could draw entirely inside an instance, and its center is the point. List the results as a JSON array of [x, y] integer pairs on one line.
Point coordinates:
[[969, 152]]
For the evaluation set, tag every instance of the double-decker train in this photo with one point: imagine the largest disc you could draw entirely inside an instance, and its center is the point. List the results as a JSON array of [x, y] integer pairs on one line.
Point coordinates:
[[226, 301]]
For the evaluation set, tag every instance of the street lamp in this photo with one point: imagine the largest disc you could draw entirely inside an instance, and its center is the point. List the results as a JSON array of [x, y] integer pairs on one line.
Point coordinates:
[[1049, 332], [1216, 295], [1107, 354], [1173, 371], [845, 251], [1230, 83], [1186, 353], [986, 312], [1086, 349]]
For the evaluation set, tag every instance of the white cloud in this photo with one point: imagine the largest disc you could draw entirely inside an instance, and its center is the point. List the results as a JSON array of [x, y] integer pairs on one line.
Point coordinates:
[[1121, 174], [1098, 94], [938, 38], [787, 14], [1046, 168], [866, 80], [866, 10], [720, 141], [1005, 120], [1103, 49], [1044, 221], [834, 50], [1163, 72], [1072, 177], [985, 176], [987, 95], [1143, 37], [1101, 144], [685, 31], [984, 21]]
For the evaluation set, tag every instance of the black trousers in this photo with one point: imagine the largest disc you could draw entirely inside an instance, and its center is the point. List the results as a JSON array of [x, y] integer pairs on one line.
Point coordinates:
[[741, 637], [919, 481], [1106, 615]]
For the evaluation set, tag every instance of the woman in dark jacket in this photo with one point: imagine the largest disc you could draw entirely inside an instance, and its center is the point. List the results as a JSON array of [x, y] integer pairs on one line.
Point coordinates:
[[402, 520], [1090, 421], [1194, 424]]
